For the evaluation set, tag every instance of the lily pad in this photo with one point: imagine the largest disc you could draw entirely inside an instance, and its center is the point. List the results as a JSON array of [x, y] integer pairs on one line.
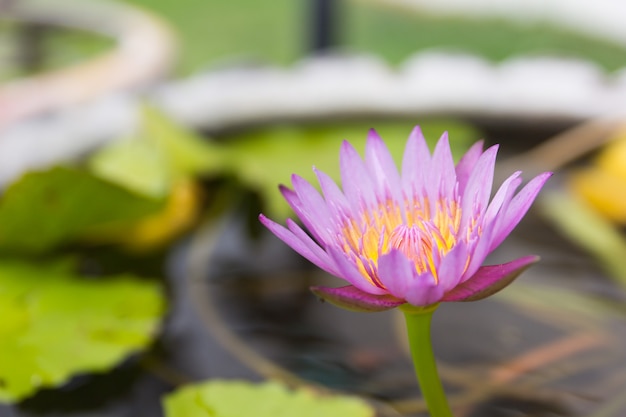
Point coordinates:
[[134, 164], [55, 324], [44, 209], [158, 156], [180, 213], [270, 399]]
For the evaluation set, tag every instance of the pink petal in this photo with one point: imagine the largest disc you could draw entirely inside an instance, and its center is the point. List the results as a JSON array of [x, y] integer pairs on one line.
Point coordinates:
[[309, 196], [349, 272], [476, 196], [415, 163], [353, 299], [316, 216], [292, 198], [467, 163], [399, 276], [452, 266], [313, 247], [478, 248], [297, 244], [336, 201], [355, 179], [517, 208], [489, 280], [381, 165], [307, 218], [502, 198], [443, 178]]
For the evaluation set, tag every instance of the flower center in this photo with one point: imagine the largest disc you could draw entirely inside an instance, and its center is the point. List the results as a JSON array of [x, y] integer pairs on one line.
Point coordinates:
[[423, 235], [415, 244]]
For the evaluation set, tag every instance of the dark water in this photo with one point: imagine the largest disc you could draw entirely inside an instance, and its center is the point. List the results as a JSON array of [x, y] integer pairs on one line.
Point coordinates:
[[552, 344]]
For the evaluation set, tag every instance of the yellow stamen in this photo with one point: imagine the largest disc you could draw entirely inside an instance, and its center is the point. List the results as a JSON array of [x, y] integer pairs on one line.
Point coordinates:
[[410, 229]]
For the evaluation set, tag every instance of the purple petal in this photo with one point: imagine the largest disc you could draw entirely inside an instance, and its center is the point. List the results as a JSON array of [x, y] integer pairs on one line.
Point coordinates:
[[381, 165], [399, 276], [415, 163], [467, 163], [489, 280], [349, 271], [355, 180], [353, 299], [316, 215], [502, 198], [291, 197], [336, 201], [309, 196], [297, 244], [518, 207], [313, 247], [307, 218], [443, 178], [478, 190], [295, 203], [478, 248], [452, 266]]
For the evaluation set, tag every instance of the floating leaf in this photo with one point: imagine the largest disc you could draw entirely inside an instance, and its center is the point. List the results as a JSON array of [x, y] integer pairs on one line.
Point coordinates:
[[157, 157], [187, 153], [161, 161], [270, 399], [181, 211], [135, 164], [55, 324], [46, 208]]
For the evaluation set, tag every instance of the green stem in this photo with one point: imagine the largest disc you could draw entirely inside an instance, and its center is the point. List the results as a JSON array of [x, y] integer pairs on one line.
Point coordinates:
[[418, 328]]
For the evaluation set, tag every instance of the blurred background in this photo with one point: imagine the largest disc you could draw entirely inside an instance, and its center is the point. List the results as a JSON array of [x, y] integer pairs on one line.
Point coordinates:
[[139, 140]]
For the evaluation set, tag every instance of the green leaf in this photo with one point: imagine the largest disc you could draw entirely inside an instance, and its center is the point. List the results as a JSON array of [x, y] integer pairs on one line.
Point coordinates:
[[161, 153], [55, 324], [46, 208], [187, 153], [135, 164], [264, 158], [270, 399]]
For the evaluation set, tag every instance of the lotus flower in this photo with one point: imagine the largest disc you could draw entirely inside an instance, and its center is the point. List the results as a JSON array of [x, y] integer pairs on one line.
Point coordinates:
[[416, 236]]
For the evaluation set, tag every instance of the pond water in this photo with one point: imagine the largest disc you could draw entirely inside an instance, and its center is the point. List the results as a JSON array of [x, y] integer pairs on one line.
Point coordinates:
[[552, 344]]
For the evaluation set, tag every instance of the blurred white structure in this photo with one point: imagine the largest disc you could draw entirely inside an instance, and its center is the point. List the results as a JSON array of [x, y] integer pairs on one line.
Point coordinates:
[[143, 54], [600, 18], [428, 83]]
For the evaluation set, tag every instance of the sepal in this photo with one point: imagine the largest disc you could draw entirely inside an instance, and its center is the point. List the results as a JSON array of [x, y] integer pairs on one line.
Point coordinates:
[[488, 280], [353, 299]]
